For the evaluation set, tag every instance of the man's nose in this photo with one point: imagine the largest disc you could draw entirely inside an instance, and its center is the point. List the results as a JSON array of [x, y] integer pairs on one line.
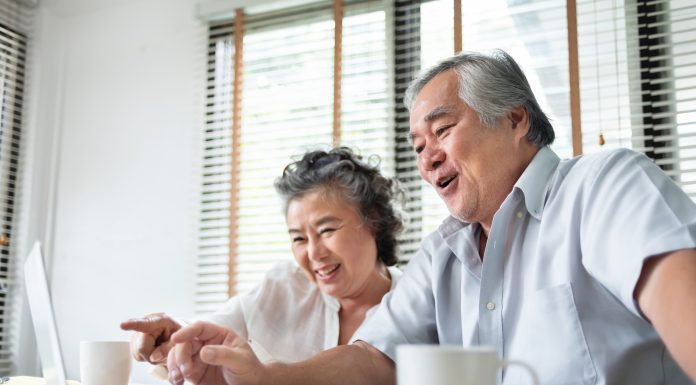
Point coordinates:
[[432, 157]]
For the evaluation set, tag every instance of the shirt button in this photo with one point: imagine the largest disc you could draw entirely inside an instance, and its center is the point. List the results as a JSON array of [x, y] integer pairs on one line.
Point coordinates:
[[520, 214], [490, 306]]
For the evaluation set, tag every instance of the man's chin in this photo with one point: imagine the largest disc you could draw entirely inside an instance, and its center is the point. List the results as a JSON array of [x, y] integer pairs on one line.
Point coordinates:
[[461, 215]]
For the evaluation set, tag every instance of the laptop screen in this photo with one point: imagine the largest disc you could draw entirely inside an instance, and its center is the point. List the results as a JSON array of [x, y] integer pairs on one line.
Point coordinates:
[[42, 317]]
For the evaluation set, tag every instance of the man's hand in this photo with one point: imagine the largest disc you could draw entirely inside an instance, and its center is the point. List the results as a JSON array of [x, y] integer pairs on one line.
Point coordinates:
[[151, 340], [207, 354]]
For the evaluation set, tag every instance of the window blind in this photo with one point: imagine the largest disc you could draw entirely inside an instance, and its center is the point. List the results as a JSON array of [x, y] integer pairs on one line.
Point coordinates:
[[606, 47], [287, 109], [366, 100], [636, 62], [638, 81], [213, 232], [422, 36], [667, 46], [407, 58], [12, 71], [437, 42]]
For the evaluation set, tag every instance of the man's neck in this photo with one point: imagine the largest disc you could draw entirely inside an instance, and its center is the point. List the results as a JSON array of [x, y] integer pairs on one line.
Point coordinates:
[[529, 153]]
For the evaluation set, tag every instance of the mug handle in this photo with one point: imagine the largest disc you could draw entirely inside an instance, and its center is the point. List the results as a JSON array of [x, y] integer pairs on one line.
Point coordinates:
[[530, 370]]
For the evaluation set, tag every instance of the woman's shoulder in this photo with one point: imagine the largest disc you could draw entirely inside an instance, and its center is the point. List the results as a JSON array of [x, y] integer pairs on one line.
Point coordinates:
[[395, 274], [286, 279]]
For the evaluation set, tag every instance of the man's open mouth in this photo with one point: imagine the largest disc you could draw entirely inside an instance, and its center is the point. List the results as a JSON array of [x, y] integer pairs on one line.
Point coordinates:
[[444, 182]]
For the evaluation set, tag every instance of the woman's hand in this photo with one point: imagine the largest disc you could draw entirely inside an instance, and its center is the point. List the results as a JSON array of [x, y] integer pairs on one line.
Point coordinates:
[[151, 340], [208, 354]]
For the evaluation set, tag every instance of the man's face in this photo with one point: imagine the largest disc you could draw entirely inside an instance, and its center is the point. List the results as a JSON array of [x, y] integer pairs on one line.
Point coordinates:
[[472, 167]]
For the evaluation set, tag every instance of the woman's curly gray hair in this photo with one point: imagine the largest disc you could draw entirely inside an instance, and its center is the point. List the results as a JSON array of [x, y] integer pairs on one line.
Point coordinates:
[[342, 171]]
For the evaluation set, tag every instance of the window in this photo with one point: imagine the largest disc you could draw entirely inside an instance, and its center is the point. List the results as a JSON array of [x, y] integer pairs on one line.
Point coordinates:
[[12, 60], [637, 85], [287, 108]]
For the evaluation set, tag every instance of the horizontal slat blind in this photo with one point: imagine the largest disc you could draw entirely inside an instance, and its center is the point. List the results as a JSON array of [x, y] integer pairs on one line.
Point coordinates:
[[286, 109], [437, 42], [13, 47], [604, 49], [667, 39], [15, 16], [366, 107], [407, 54], [636, 81], [212, 278]]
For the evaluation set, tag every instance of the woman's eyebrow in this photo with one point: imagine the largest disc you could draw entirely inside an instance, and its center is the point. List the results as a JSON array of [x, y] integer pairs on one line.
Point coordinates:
[[326, 219], [319, 222]]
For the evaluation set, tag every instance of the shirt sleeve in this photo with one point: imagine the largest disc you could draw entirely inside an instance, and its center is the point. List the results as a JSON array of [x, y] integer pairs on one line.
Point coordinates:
[[232, 315], [631, 211], [406, 315]]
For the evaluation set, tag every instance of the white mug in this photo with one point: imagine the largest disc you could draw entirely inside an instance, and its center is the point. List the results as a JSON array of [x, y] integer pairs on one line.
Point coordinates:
[[105, 362], [451, 365]]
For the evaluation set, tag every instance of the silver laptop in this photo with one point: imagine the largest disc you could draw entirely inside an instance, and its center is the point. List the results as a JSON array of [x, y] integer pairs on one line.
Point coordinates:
[[42, 317]]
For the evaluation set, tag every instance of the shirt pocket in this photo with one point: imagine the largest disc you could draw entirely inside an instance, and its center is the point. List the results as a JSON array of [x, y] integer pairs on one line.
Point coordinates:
[[550, 338]]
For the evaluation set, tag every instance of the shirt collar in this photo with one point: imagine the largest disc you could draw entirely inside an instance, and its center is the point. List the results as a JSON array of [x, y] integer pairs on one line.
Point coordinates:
[[532, 183], [534, 180]]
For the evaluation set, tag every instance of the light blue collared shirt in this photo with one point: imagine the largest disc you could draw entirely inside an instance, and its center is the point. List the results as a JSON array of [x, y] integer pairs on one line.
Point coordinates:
[[555, 288]]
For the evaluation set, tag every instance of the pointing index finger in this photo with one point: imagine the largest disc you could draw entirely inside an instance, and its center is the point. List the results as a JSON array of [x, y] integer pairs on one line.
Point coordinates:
[[147, 324], [200, 330]]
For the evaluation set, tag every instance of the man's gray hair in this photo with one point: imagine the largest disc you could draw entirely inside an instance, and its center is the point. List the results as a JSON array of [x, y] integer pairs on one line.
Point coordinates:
[[491, 84]]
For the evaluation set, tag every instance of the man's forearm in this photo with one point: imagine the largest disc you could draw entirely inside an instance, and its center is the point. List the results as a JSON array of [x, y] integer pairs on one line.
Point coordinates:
[[354, 364], [667, 295]]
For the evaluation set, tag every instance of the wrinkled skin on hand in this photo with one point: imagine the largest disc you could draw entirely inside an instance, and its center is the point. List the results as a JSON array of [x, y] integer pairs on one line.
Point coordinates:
[[208, 354]]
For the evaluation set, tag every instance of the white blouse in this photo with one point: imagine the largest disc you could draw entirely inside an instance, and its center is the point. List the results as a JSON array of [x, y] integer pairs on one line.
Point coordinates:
[[286, 317]]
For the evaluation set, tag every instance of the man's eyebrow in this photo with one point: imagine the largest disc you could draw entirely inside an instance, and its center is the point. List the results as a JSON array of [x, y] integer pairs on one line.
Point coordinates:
[[432, 115], [438, 112]]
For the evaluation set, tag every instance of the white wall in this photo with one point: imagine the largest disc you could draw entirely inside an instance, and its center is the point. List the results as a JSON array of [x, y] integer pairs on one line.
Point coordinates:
[[125, 85], [40, 137]]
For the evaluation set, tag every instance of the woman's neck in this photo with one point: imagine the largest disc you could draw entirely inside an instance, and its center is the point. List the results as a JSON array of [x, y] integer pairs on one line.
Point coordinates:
[[353, 310], [375, 287]]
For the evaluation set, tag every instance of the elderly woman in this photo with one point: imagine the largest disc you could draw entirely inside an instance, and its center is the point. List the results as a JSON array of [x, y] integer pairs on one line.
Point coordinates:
[[343, 230]]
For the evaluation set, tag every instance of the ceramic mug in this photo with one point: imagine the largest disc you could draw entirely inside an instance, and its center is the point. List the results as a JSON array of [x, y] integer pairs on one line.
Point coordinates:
[[451, 365], [105, 362]]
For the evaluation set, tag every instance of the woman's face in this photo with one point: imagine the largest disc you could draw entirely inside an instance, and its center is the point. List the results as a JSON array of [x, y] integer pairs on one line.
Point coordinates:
[[332, 244]]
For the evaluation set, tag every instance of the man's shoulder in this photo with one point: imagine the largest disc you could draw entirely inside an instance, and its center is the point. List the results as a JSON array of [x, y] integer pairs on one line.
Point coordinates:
[[601, 158], [585, 167]]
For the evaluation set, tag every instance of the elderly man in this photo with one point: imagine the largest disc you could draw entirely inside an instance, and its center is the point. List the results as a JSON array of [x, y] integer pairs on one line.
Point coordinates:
[[584, 267]]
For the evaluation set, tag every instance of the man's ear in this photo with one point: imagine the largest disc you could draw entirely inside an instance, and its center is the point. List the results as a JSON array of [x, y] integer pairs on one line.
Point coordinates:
[[519, 121]]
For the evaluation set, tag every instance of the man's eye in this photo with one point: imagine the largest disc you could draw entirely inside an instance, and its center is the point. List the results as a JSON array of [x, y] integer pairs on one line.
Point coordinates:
[[441, 130], [418, 149], [297, 239]]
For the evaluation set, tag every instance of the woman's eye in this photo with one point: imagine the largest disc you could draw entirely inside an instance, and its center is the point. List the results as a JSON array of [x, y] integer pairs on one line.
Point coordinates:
[[297, 239], [327, 230], [418, 149]]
